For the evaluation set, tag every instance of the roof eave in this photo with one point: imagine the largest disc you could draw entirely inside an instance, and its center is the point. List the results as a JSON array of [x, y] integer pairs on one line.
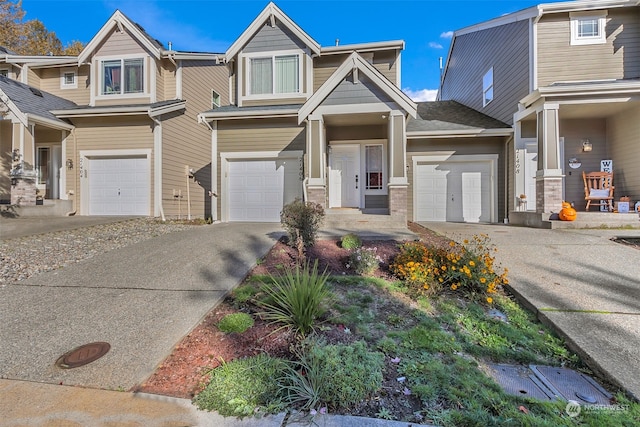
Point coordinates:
[[101, 112], [363, 47], [459, 133], [170, 108], [55, 124], [236, 115]]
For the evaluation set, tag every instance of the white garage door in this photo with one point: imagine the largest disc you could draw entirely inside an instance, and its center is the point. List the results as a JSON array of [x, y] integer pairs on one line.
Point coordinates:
[[454, 191], [119, 186], [258, 189]]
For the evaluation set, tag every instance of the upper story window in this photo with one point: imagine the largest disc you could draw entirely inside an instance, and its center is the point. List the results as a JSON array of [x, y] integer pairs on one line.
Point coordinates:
[[215, 99], [68, 80], [277, 74], [122, 76], [487, 87], [588, 27], [4, 72]]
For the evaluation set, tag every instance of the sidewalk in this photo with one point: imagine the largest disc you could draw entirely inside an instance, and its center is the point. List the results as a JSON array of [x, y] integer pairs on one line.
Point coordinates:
[[580, 283]]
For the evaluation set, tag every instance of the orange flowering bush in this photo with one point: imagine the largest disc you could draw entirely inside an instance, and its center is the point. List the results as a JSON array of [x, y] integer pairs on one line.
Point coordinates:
[[468, 269]]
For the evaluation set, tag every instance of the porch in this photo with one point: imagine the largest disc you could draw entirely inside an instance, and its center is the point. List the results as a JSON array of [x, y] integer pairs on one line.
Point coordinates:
[[629, 220], [370, 224]]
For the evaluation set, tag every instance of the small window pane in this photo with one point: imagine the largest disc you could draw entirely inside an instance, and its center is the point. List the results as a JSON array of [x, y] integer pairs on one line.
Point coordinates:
[[215, 99], [261, 76], [487, 87], [287, 76], [69, 78], [588, 28], [4, 73], [111, 77], [373, 160], [133, 76]]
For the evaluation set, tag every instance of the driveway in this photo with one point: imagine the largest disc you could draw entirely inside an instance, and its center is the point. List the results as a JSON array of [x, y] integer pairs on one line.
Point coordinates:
[[579, 281], [141, 299]]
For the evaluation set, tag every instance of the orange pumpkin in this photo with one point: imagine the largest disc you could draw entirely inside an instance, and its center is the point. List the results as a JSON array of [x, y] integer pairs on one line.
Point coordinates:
[[567, 213]]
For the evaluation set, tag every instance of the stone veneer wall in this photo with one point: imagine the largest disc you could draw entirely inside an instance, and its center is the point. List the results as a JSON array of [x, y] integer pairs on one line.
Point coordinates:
[[398, 202], [317, 195], [24, 192], [548, 195]]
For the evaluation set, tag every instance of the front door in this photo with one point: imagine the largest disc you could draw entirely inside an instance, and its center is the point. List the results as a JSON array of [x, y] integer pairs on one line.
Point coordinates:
[[345, 178]]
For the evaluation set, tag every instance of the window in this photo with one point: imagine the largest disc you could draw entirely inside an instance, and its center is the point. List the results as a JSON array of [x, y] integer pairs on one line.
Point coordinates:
[[588, 28], [4, 72], [274, 75], [122, 76], [68, 80], [373, 164], [215, 99], [487, 87]]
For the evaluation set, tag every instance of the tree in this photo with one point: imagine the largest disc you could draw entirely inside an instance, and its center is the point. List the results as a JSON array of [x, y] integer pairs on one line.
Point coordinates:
[[30, 37]]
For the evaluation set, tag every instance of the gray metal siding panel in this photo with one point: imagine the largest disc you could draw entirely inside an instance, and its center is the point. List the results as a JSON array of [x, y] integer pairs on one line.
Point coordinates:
[[506, 49], [269, 39], [376, 202], [618, 58]]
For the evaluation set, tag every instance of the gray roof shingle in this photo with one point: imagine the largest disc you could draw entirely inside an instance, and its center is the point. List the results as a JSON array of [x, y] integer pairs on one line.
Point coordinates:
[[34, 101], [450, 116]]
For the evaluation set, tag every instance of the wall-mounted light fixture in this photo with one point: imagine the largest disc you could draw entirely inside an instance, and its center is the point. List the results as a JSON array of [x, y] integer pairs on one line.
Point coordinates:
[[15, 155], [69, 164], [586, 145]]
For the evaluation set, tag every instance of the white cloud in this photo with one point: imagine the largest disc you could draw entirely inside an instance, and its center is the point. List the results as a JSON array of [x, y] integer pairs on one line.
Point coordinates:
[[421, 95], [446, 35], [435, 45]]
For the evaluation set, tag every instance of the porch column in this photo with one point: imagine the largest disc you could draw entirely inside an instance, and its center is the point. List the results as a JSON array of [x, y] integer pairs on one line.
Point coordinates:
[[398, 183], [316, 161], [549, 174]]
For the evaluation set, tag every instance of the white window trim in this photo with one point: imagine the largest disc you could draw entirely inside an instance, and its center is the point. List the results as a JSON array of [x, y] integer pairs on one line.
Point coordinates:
[[145, 77], [485, 89], [272, 55], [63, 83], [575, 17], [214, 95], [5, 70]]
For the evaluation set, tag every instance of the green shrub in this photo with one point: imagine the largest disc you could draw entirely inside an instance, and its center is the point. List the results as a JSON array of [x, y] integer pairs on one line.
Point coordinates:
[[244, 293], [296, 298], [338, 376], [364, 261], [302, 221], [244, 387], [350, 241], [235, 322]]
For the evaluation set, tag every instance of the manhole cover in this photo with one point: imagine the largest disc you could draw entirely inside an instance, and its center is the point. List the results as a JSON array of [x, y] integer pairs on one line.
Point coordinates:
[[82, 355]]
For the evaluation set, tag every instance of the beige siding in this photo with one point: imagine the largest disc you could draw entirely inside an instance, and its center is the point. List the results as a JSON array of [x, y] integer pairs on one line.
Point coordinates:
[[387, 64], [13, 72], [623, 140], [169, 81], [506, 49], [5, 160], [461, 146], [33, 79], [618, 58], [258, 135], [574, 131], [118, 44], [124, 133], [50, 81], [323, 68], [187, 143]]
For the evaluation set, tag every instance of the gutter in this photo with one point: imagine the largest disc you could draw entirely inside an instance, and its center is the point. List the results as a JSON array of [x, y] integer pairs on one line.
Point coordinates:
[[459, 133], [247, 115]]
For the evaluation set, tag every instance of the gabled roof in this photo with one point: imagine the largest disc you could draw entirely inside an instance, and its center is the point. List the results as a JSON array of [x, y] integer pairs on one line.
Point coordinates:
[[29, 103], [119, 20], [356, 62], [450, 118], [269, 13]]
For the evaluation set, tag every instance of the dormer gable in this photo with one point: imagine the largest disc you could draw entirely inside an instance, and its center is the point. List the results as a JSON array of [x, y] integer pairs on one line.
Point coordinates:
[[272, 22], [356, 74]]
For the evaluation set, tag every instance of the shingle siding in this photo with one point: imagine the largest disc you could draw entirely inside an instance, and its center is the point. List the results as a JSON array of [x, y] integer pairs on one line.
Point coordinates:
[[506, 49]]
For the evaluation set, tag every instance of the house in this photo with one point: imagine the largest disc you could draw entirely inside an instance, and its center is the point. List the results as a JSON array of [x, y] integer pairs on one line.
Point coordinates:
[[138, 129], [566, 77], [331, 125], [114, 130]]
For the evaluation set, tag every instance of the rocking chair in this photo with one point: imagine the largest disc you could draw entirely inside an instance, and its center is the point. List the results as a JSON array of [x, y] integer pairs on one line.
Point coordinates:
[[598, 187]]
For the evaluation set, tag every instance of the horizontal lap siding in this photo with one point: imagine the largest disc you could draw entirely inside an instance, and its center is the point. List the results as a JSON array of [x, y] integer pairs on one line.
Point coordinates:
[[108, 134], [623, 140], [618, 58], [269, 39], [118, 44], [506, 49], [323, 68], [387, 64], [50, 81], [458, 147], [363, 92], [188, 143], [258, 135]]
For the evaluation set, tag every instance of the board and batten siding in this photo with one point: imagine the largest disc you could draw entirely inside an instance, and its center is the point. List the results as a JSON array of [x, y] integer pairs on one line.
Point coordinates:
[[623, 140], [461, 146], [122, 133], [187, 143], [258, 135], [618, 58], [506, 49], [50, 81]]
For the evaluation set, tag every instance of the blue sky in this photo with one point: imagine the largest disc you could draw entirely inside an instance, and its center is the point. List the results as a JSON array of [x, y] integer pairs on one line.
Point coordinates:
[[213, 25]]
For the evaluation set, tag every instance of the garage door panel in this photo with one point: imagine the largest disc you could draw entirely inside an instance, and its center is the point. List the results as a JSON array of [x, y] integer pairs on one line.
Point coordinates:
[[119, 186], [454, 191], [258, 189]]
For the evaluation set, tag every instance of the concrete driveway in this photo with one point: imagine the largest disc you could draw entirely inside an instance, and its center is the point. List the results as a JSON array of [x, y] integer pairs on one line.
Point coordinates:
[[579, 281], [141, 299]]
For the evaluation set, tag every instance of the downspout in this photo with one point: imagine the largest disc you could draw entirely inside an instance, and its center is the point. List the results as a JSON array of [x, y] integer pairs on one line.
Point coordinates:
[[157, 166], [75, 177], [213, 128]]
